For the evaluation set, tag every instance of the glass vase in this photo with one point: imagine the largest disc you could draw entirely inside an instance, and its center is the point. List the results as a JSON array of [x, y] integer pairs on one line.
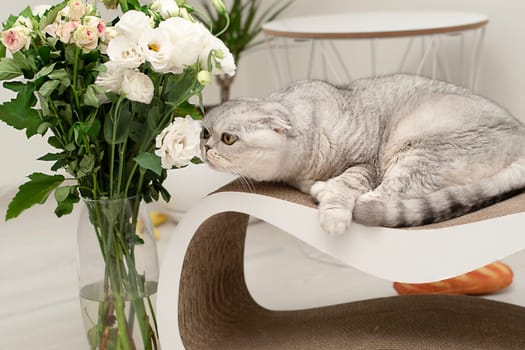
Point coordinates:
[[118, 273]]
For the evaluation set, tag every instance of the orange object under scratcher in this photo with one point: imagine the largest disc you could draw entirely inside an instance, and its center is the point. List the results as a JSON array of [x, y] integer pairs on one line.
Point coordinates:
[[486, 280]]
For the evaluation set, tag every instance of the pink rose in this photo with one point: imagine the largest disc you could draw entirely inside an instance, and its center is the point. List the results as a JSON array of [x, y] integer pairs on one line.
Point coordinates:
[[16, 38], [95, 23], [66, 30]]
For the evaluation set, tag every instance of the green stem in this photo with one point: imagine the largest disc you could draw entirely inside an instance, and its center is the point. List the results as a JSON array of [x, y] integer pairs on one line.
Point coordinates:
[[118, 295], [122, 161], [227, 17], [115, 120], [74, 87]]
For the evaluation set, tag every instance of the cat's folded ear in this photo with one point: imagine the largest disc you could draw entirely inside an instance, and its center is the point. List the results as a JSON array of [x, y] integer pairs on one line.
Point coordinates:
[[278, 118]]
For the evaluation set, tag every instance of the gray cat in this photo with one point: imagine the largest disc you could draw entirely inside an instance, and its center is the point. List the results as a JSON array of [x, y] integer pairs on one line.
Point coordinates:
[[392, 151]]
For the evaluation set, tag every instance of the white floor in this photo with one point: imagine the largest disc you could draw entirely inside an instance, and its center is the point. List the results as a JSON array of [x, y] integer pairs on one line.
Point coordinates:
[[39, 307]]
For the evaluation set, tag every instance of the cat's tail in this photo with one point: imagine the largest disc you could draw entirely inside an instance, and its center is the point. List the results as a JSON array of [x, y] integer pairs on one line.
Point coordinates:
[[373, 210]]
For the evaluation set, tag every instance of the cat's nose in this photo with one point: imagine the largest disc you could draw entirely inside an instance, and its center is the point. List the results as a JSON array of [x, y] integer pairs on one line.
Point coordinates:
[[207, 148]]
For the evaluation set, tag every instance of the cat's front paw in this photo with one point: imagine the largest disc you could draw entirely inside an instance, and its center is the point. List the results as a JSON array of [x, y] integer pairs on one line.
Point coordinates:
[[335, 220], [335, 211]]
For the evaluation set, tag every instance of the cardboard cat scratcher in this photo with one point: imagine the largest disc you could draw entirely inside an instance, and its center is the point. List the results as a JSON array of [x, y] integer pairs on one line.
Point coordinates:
[[203, 301]]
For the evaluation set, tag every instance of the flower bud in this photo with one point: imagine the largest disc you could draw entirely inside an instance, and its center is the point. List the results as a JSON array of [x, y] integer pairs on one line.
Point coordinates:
[[218, 53], [219, 6], [204, 77]]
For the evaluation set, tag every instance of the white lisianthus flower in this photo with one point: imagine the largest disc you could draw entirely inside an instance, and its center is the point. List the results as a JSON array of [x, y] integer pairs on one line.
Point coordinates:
[[111, 79], [86, 37], [16, 38], [132, 24], [157, 48], [166, 8], [125, 52], [185, 39], [178, 143], [137, 86]]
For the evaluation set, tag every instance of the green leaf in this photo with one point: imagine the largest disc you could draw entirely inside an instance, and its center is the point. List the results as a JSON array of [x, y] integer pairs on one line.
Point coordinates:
[[50, 15], [45, 53], [15, 86], [9, 69], [59, 74], [116, 132], [196, 160], [35, 191], [90, 97], [52, 156], [45, 71], [86, 165], [48, 87], [19, 114], [3, 50], [55, 142], [66, 197], [180, 88], [64, 208], [61, 193], [22, 61], [26, 12], [149, 161]]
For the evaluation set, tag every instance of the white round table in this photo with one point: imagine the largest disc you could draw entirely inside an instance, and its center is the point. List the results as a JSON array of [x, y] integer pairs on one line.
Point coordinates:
[[431, 26]]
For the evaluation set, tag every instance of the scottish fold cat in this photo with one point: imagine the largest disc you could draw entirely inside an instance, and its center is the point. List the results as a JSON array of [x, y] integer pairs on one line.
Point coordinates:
[[397, 150]]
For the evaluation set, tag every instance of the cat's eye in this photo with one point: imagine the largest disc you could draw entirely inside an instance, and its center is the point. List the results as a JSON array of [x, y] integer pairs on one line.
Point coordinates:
[[205, 134], [228, 139]]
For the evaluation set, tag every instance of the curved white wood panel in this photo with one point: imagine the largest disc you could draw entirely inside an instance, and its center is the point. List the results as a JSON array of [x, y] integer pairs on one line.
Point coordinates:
[[414, 256]]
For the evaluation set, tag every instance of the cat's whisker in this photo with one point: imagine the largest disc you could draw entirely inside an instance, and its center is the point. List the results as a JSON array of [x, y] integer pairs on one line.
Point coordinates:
[[244, 180]]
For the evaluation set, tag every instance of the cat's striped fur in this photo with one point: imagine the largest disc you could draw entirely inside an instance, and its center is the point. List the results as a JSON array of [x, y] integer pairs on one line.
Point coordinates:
[[398, 150]]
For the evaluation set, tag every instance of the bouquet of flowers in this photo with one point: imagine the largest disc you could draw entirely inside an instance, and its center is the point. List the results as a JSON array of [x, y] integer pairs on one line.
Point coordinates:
[[114, 100]]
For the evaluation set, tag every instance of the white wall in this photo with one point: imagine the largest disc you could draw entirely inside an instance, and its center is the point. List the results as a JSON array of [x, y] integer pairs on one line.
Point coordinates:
[[502, 75]]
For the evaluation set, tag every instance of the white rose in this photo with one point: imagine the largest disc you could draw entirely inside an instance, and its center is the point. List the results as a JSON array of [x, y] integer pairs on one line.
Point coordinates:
[[24, 22], [132, 24], [125, 52], [62, 15], [51, 29], [86, 37], [178, 143], [186, 40], [111, 79], [166, 8], [16, 38], [137, 86], [77, 9], [226, 60]]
